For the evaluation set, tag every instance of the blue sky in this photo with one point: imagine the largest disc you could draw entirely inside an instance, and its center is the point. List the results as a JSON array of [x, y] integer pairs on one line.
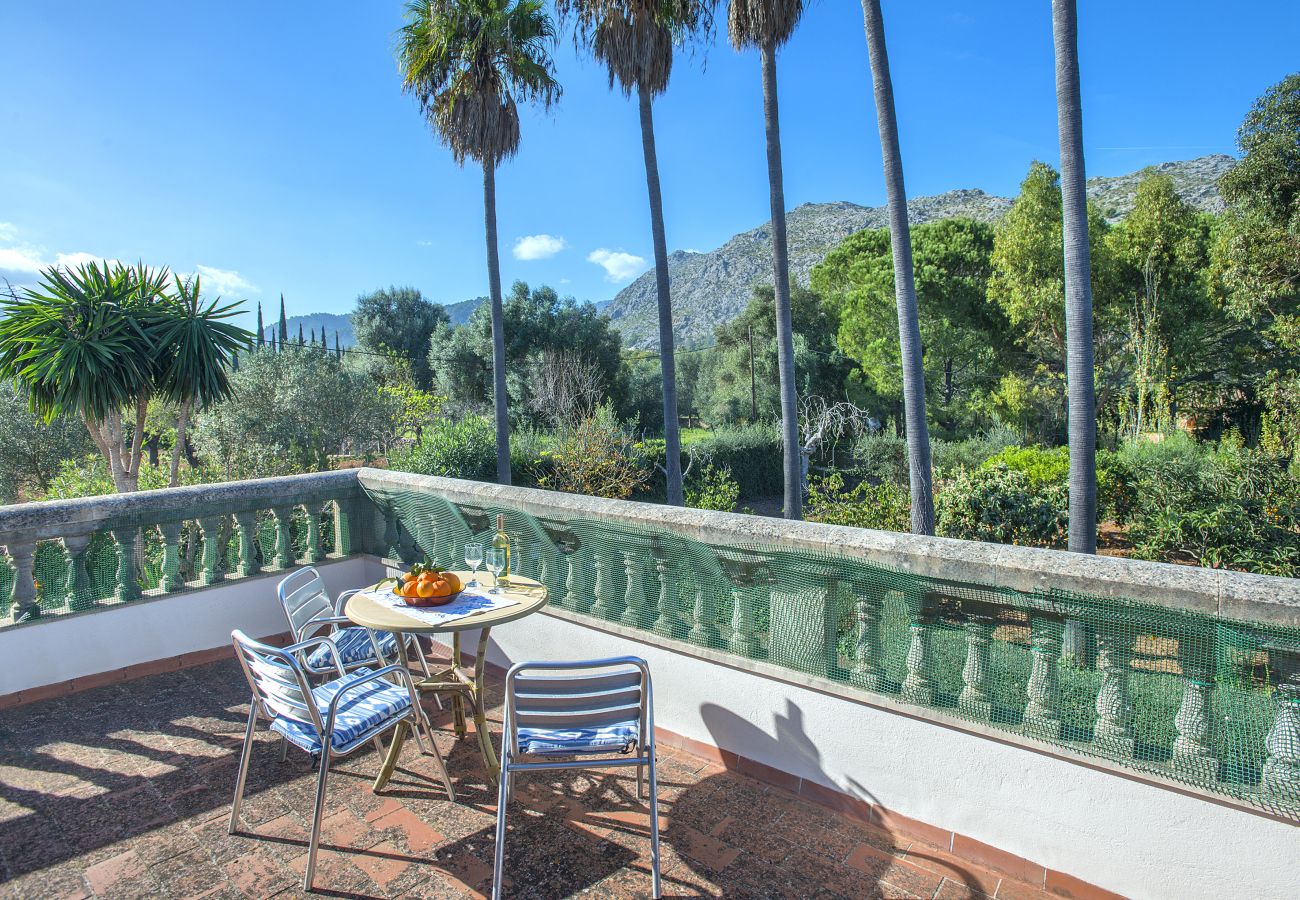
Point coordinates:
[[268, 145]]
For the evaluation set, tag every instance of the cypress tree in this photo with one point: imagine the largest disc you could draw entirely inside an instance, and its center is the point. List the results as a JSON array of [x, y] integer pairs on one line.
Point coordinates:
[[313, 337], [338, 348], [301, 341], [284, 324], [261, 329]]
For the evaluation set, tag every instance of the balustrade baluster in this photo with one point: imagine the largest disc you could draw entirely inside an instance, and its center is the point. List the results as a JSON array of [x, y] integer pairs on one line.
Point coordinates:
[[743, 638], [246, 525], [917, 686], [1114, 710], [171, 560], [669, 622], [974, 699], [211, 526], [634, 605], [602, 590], [1281, 774], [128, 588], [1042, 717], [80, 594], [22, 555], [343, 520], [704, 627], [572, 599], [867, 652], [312, 553], [284, 556], [1192, 753]]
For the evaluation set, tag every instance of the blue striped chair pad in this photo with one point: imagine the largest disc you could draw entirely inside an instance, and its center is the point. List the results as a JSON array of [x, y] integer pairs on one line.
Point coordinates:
[[355, 648], [618, 737], [362, 711]]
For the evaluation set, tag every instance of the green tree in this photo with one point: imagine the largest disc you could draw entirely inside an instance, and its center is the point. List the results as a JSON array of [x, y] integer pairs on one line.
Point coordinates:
[[1256, 265], [724, 389], [289, 412], [767, 25], [538, 323], [99, 341], [960, 330], [32, 450], [284, 325], [401, 321], [909, 329], [470, 63], [635, 40]]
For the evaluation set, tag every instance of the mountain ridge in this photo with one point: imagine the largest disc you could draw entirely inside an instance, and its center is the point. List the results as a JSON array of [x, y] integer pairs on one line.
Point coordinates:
[[713, 287]]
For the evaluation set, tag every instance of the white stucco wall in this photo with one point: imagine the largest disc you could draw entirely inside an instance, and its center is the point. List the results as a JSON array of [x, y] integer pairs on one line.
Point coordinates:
[[60, 649], [1134, 838]]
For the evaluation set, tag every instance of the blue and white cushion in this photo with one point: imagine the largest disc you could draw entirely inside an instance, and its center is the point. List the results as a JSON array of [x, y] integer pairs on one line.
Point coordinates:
[[355, 648], [363, 710], [620, 737]]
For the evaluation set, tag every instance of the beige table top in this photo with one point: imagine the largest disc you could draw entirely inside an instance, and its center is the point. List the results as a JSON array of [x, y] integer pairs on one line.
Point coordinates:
[[531, 596]]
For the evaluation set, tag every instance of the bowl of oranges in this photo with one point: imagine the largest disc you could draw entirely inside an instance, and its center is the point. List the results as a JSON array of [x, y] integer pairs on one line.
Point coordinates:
[[427, 585]]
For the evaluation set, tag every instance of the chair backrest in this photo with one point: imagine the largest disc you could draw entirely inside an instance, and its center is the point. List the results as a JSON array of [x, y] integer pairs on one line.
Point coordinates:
[[278, 681], [304, 599], [579, 694]]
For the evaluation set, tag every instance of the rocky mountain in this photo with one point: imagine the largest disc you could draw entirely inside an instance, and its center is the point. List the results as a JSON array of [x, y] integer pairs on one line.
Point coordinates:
[[711, 288]]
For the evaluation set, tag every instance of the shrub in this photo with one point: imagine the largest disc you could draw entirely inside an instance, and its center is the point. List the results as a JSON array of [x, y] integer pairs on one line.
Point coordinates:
[[882, 459], [997, 503], [1044, 468], [753, 455], [597, 456], [529, 461], [712, 487], [1117, 492], [460, 449], [948, 456], [882, 506]]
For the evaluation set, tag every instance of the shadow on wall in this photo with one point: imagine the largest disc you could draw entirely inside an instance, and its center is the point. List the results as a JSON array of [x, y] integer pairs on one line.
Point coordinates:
[[883, 857]]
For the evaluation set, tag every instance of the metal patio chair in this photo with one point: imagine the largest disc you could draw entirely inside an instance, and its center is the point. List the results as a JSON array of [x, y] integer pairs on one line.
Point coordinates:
[[585, 709], [308, 607], [329, 720]]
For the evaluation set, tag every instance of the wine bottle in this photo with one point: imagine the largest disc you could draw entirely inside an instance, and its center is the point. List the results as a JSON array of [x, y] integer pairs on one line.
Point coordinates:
[[501, 542]]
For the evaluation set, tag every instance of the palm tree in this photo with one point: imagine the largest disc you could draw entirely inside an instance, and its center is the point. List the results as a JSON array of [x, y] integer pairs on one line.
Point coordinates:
[[470, 63], [203, 349], [100, 341], [900, 238], [635, 39], [767, 24], [1081, 402]]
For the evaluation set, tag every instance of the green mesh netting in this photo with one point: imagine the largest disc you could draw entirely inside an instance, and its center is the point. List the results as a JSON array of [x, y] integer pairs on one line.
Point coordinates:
[[1187, 696]]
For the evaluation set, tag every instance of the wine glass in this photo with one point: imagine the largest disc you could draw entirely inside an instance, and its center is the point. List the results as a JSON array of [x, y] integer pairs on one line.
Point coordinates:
[[496, 562], [473, 559]]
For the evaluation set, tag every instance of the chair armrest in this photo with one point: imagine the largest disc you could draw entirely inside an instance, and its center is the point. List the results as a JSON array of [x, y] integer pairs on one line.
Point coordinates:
[[376, 675], [343, 599], [303, 645]]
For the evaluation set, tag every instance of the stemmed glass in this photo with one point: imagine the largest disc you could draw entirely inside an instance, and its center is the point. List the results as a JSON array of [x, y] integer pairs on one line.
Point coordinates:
[[473, 559], [496, 562]]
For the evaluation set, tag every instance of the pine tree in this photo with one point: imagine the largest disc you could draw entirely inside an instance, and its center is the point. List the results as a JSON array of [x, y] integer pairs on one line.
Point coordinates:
[[261, 329], [284, 324]]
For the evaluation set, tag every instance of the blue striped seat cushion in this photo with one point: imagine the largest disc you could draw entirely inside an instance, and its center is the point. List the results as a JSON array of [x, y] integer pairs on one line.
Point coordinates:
[[363, 710], [355, 648], [620, 737]]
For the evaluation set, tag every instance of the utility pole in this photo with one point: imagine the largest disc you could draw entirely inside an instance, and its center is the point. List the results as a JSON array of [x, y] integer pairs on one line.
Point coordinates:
[[753, 390]]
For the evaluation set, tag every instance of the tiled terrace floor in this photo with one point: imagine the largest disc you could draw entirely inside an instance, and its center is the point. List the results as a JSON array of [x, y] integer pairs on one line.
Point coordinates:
[[124, 791]]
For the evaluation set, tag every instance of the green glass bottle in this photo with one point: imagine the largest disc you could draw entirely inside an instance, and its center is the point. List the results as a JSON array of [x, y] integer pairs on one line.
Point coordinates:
[[501, 542]]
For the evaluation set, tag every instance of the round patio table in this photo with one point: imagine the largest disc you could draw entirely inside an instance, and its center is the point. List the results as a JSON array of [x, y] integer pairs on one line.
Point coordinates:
[[461, 683]]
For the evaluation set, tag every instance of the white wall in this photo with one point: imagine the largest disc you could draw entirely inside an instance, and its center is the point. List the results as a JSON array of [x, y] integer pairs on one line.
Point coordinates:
[[60, 649], [1127, 836]]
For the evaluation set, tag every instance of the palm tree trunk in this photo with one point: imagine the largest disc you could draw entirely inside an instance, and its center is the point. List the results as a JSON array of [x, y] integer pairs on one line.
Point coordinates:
[[1082, 418], [900, 239], [667, 361], [499, 398], [182, 425], [793, 460]]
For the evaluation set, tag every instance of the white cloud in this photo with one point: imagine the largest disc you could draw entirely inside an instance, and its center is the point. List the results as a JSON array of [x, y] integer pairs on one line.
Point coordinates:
[[618, 265], [424, 243], [20, 264], [79, 258], [225, 282], [538, 246], [8, 231]]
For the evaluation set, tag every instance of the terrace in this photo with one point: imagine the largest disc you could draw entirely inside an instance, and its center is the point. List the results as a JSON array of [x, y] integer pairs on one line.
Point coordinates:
[[842, 712]]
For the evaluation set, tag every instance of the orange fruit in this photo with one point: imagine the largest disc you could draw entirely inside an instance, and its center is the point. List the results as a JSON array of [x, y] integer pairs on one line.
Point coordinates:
[[409, 576], [424, 588], [410, 589], [453, 581], [427, 576], [441, 588]]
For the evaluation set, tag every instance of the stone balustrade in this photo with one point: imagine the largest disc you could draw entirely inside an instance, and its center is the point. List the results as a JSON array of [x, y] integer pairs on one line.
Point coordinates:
[[1182, 674], [77, 555]]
